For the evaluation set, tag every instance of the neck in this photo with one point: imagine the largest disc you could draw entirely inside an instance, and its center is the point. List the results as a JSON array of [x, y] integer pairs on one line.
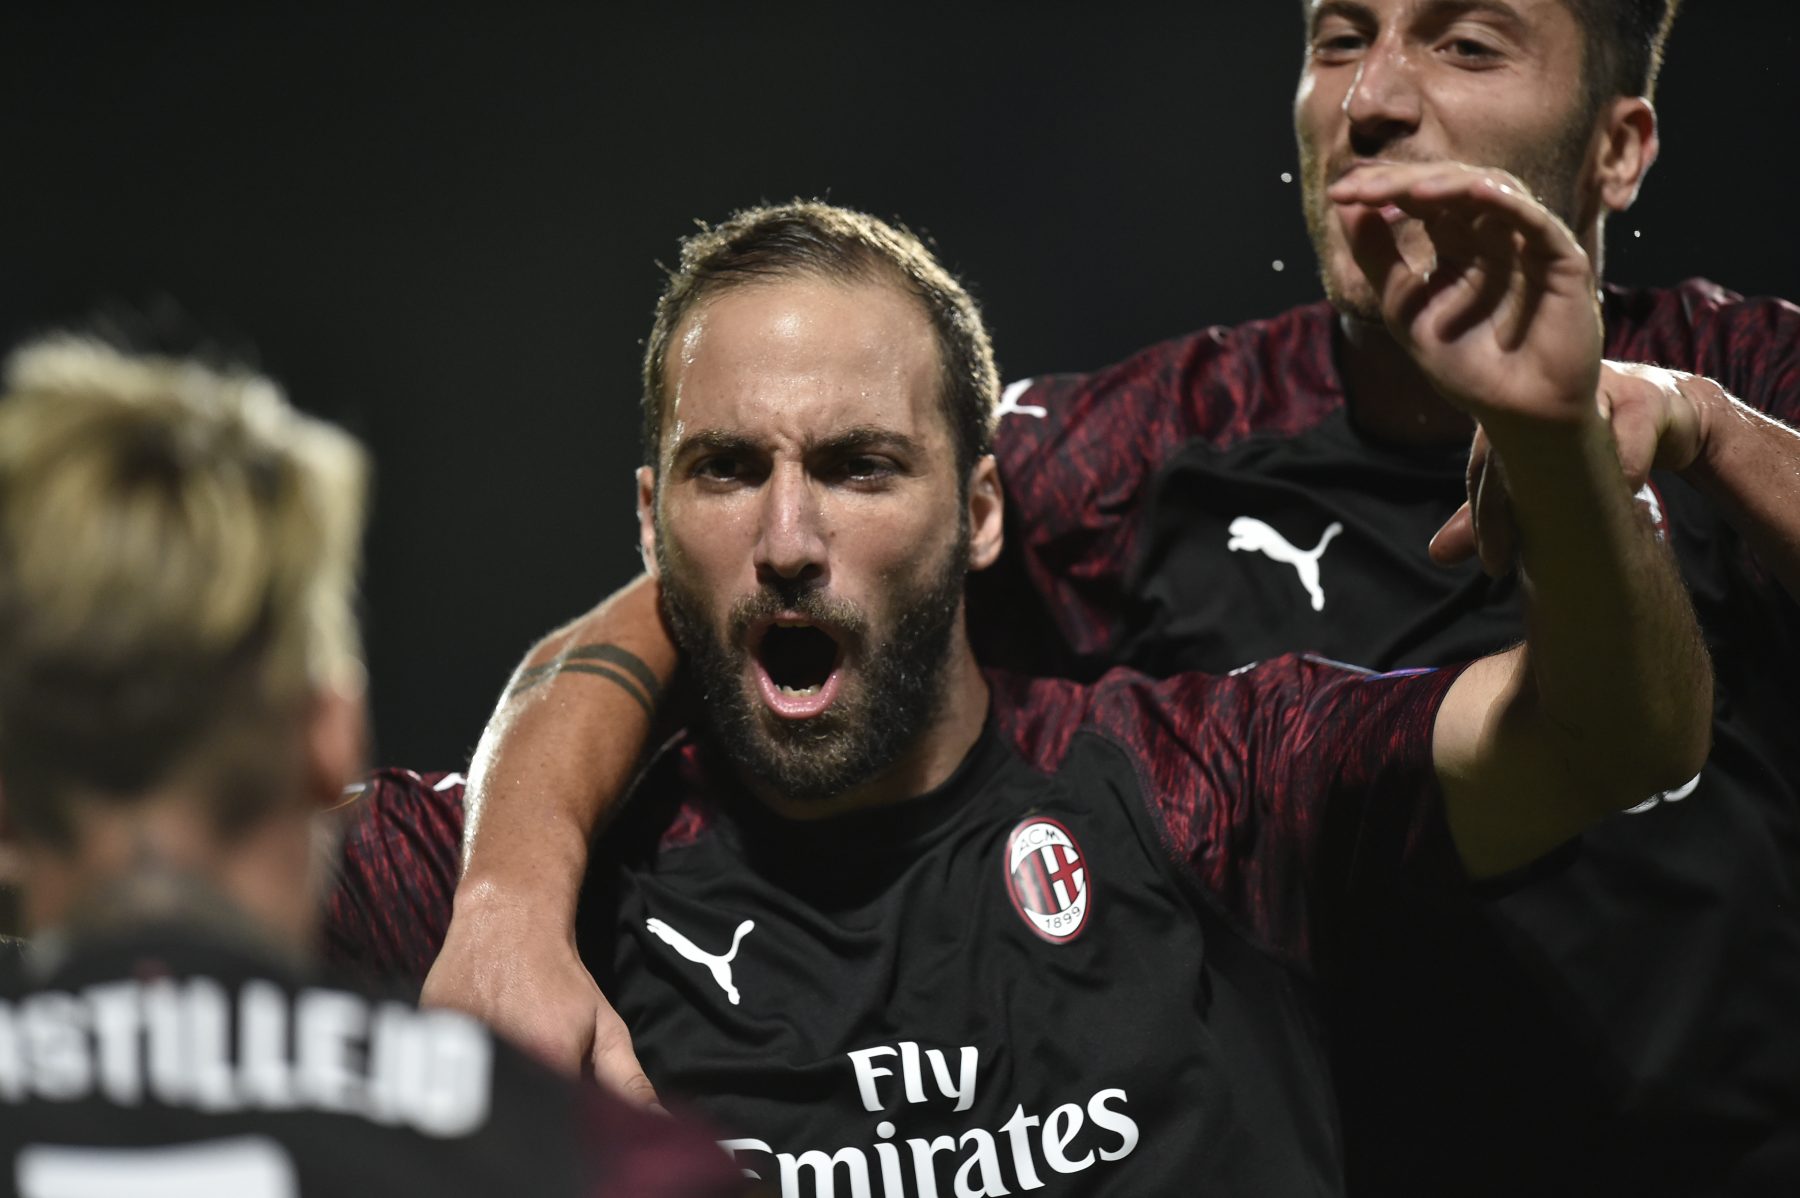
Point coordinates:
[[159, 857], [1390, 399], [934, 756]]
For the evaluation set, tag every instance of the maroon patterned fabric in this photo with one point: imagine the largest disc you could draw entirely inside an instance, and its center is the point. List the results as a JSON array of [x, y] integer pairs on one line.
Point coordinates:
[[387, 918], [1077, 481], [1077, 478], [1281, 791], [1284, 791], [397, 872]]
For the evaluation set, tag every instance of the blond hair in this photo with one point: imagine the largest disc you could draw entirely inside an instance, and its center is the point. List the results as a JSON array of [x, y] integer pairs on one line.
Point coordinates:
[[178, 550]]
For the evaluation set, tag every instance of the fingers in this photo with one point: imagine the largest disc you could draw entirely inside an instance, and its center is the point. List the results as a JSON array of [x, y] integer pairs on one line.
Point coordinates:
[[1634, 431], [1454, 542], [1483, 526], [1479, 257], [1493, 245], [615, 1064], [1496, 536], [1371, 239], [1435, 189]]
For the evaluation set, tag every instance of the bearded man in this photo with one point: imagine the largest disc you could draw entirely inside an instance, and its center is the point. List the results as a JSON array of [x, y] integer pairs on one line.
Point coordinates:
[[1272, 487], [904, 927]]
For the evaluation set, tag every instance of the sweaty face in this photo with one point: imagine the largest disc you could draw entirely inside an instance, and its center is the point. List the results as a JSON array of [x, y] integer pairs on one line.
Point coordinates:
[[809, 529], [1496, 83]]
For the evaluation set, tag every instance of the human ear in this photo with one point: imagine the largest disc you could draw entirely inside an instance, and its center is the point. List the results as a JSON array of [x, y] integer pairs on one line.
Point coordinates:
[[987, 505]]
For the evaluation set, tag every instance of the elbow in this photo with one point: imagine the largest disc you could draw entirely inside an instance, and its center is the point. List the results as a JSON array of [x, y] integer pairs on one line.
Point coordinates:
[[1661, 749]]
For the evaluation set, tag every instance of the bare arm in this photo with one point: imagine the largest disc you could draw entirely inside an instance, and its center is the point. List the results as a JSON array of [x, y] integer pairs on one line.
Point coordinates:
[[558, 753], [1747, 463], [1611, 698]]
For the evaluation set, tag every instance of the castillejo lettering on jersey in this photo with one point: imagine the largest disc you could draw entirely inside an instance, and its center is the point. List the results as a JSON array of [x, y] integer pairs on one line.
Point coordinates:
[[1028, 1151], [1048, 879], [199, 1044]]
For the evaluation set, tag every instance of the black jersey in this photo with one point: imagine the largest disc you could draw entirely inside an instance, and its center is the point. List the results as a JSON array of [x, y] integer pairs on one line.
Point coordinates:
[[1625, 1021], [159, 1060], [1082, 966]]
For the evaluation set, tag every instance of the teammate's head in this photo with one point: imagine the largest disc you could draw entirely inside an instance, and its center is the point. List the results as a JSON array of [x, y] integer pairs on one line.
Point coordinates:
[[807, 239], [814, 506], [177, 643], [1557, 92]]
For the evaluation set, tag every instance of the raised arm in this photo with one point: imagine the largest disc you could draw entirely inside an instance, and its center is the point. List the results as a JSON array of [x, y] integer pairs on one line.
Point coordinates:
[[559, 751], [1610, 700]]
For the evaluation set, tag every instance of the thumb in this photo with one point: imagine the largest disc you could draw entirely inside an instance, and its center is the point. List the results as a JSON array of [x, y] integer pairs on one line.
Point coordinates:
[[615, 1064], [1636, 438], [1370, 234], [1455, 541]]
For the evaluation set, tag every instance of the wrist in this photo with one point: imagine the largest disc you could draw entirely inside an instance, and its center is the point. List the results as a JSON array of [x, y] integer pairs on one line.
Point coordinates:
[[531, 905], [1715, 419], [1574, 431]]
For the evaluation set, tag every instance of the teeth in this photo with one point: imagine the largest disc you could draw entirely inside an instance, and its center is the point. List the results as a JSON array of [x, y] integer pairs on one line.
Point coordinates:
[[797, 691]]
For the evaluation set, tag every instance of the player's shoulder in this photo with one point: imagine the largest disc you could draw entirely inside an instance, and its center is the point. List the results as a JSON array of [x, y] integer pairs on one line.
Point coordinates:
[[413, 803], [1696, 324], [674, 804], [1221, 382], [1041, 716], [1184, 715], [403, 786]]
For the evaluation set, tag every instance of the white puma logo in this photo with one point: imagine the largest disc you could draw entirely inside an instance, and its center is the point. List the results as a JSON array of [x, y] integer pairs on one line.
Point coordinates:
[[720, 966], [1009, 402], [1247, 532]]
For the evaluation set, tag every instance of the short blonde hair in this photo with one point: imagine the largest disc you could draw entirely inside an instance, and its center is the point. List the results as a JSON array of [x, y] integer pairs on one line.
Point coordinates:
[[178, 552]]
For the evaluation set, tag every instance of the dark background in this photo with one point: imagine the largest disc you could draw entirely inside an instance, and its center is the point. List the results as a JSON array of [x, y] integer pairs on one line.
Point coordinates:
[[441, 225]]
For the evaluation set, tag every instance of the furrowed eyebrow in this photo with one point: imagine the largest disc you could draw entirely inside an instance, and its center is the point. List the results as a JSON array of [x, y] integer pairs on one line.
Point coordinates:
[[864, 438], [859, 439], [711, 441]]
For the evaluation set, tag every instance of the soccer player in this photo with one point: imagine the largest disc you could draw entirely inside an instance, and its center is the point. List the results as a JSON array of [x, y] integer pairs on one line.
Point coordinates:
[[1241, 492], [904, 928], [180, 699]]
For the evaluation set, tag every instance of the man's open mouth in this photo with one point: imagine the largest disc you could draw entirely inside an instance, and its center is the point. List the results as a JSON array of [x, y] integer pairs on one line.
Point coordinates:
[[798, 666]]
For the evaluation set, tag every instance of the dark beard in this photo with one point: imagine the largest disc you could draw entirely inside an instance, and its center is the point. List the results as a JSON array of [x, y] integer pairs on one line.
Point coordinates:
[[878, 715]]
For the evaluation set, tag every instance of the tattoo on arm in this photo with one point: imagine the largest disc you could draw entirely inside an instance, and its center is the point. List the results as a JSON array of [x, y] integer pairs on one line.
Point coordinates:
[[619, 666]]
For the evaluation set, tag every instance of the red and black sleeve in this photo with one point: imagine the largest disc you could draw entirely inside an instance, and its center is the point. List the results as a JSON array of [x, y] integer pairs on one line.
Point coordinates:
[[396, 874], [1293, 791]]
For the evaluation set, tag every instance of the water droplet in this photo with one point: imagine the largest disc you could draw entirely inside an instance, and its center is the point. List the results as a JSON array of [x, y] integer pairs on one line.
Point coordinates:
[[1287, 176], [1278, 264]]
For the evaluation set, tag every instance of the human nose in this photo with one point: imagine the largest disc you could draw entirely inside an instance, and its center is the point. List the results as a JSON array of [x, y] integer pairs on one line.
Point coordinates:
[[1383, 103], [791, 543]]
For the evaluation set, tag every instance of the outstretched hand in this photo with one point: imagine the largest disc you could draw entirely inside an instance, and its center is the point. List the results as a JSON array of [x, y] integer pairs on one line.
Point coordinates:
[[1504, 318]]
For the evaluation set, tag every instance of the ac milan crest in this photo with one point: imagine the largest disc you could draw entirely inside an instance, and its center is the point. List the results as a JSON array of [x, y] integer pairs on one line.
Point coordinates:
[[1047, 879]]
